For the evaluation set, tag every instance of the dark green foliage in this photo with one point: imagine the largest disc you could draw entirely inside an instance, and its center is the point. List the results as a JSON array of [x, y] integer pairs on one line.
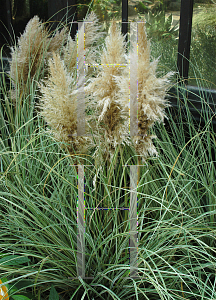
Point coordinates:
[[53, 294], [13, 260]]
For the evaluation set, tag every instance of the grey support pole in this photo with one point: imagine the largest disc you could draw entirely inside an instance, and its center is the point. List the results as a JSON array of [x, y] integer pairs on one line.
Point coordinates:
[[133, 223], [133, 80], [81, 224]]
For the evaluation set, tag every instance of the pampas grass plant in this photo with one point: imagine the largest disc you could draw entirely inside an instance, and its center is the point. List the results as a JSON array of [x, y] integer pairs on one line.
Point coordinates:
[[38, 200], [109, 91]]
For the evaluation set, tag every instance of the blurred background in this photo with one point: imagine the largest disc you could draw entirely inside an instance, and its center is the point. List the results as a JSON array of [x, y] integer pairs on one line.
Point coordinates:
[[162, 22]]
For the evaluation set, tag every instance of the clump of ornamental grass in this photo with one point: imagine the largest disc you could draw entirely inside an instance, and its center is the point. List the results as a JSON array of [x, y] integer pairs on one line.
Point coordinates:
[[110, 91], [110, 94], [31, 53]]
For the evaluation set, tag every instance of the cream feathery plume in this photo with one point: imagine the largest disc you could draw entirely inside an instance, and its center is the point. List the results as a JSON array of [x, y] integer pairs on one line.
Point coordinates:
[[151, 94], [58, 106], [27, 55], [92, 36], [111, 111], [58, 41], [70, 55], [32, 51]]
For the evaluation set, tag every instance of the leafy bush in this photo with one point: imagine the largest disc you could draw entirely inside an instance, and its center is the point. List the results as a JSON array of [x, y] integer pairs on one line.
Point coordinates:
[[143, 8], [160, 27], [107, 10]]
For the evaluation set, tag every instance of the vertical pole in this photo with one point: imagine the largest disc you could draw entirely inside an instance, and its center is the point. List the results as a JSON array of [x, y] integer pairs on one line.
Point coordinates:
[[133, 222], [185, 38], [133, 80], [125, 18], [81, 225], [52, 11], [81, 81]]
